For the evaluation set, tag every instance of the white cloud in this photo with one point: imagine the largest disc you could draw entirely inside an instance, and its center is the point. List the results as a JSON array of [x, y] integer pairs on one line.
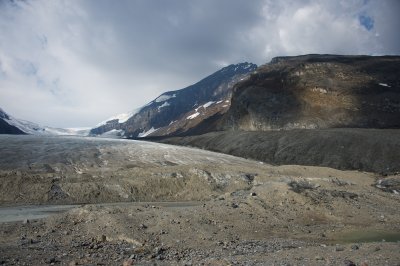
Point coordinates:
[[299, 27], [73, 63]]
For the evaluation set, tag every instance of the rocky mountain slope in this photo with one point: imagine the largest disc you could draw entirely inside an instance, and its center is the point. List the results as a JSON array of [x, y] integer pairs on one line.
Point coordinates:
[[352, 103], [372, 150], [176, 112], [6, 127], [318, 91]]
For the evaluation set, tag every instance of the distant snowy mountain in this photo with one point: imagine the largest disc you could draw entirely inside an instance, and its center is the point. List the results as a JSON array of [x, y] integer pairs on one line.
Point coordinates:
[[176, 112], [11, 125], [121, 118], [6, 126]]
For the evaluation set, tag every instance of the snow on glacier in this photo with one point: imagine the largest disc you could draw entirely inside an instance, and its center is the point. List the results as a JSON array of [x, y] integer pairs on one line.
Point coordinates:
[[148, 132], [113, 133], [35, 129]]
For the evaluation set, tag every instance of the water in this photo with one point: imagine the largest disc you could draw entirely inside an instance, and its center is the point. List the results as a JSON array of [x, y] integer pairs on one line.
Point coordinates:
[[32, 212], [367, 236]]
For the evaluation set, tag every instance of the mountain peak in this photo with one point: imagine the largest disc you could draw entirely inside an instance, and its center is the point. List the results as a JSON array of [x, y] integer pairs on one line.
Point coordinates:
[[240, 67], [3, 114], [169, 112]]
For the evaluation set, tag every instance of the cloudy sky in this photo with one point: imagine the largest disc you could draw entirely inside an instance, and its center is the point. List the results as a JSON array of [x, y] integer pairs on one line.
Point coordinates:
[[74, 63]]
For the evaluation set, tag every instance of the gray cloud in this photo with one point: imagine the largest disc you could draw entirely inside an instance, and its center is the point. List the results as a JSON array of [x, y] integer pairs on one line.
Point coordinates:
[[75, 62]]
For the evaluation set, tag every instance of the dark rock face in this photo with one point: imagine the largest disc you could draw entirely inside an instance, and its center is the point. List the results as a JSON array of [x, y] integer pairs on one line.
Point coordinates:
[[372, 150], [5, 127], [318, 91], [109, 125], [174, 112]]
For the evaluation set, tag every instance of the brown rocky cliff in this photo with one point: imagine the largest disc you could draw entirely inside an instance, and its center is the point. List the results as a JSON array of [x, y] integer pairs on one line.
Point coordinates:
[[318, 91]]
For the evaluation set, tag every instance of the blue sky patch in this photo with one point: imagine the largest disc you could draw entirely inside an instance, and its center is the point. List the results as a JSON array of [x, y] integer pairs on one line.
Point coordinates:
[[366, 21]]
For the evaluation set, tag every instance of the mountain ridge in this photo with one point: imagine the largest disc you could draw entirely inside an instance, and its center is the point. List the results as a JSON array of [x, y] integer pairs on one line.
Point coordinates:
[[322, 110], [163, 112], [318, 91], [12, 125], [6, 127]]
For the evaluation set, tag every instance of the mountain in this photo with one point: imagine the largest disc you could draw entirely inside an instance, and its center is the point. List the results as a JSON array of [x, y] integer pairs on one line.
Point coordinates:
[[6, 126], [178, 112], [323, 110], [317, 91], [11, 125]]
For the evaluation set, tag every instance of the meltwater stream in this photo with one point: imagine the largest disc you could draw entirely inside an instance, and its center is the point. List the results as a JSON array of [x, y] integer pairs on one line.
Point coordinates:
[[34, 212], [31, 212]]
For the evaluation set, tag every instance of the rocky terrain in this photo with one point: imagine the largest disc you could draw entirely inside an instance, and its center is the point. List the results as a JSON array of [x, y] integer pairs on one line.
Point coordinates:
[[317, 181], [215, 209], [322, 110], [318, 91], [372, 150], [37, 170], [176, 112]]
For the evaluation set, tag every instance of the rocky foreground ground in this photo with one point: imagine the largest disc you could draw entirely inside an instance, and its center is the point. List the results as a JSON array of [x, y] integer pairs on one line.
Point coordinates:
[[222, 210]]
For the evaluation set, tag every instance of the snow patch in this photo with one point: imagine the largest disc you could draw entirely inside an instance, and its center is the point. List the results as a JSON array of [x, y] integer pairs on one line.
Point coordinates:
[[193, 116], [113, 134], [148, 132], [247, 66], [164, 97], [208, 104], [204, 105], [384, 85], [165, 104], [122, 118], [244, 78]]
